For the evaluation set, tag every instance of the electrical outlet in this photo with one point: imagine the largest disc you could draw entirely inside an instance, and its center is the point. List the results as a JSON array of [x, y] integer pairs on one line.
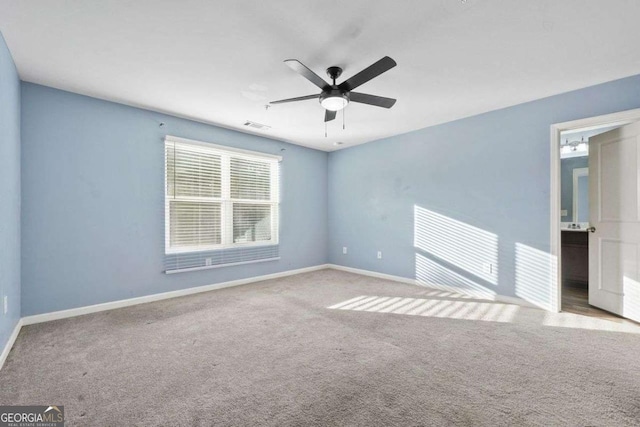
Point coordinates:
[[5, 303], [564, 212], [379, 254], [207, 261], [487, 267], [344, 249]]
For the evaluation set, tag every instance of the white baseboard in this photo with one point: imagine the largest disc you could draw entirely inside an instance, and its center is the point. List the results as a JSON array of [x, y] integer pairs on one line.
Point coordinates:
[[9, 345], [485, 296], [372, 274], [73, 312]]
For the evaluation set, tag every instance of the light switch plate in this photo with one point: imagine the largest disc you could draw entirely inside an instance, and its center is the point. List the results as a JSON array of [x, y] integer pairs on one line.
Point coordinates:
[[564, 212]]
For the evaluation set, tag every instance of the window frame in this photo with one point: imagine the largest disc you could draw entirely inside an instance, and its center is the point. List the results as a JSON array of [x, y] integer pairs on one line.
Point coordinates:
[[225, 200]]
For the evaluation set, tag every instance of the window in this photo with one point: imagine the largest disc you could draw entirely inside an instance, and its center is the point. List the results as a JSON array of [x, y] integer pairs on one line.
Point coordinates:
[[219, 198]]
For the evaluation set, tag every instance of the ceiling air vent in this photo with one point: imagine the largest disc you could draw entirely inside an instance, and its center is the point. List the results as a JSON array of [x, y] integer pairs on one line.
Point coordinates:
[[255, 125]]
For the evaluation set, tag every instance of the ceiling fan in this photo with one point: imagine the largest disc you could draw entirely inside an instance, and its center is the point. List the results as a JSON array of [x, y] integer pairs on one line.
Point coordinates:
[[335, 97]]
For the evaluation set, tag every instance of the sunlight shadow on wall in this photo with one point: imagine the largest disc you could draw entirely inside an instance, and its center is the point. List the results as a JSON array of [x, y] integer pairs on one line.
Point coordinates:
[[462, 245], [534, 275], [430, 273]]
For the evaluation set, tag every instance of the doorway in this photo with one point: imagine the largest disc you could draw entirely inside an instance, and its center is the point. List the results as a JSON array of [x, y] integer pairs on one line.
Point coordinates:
[[570, 223], [574, 220]]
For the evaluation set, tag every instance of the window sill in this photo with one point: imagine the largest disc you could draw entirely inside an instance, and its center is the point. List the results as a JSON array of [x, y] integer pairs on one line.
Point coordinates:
[[245, 245], [208, 267]]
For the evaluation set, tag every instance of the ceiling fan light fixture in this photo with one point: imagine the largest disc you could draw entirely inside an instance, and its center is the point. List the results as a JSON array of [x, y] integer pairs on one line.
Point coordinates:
[[334, 102]]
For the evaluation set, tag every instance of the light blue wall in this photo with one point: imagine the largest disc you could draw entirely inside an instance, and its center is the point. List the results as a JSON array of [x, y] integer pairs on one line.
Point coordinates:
[[583, 199], [566, 176], [9, 192], [482, 195], [92, 182]]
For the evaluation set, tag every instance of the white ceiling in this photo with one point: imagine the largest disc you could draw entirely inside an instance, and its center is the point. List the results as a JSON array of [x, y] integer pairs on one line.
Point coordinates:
[[221, 61]]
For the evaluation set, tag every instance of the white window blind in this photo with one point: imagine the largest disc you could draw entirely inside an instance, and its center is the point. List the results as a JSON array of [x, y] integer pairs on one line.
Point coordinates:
[[221, 205]]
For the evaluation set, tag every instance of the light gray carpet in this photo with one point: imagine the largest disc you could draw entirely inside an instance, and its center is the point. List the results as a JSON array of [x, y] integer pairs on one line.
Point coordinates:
[[273, 354]]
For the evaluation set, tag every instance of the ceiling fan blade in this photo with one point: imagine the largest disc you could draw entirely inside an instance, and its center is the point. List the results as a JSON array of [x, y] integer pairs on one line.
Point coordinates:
[[299, 98], [378, 101], [374, 70], [329, 115], [305, 72]]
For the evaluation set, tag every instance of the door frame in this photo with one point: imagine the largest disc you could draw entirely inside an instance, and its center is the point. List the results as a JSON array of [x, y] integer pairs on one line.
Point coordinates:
[[613, 119]]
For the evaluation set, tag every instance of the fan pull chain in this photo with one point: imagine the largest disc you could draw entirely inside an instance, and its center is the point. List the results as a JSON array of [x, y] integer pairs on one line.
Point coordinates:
[[343, 119], [325, 129]]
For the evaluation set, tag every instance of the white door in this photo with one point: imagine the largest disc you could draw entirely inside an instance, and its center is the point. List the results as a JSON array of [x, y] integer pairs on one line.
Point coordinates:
[[614, 213]]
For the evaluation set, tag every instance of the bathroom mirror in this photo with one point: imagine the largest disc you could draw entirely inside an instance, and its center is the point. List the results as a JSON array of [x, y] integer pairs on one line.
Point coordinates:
[[581, 195]]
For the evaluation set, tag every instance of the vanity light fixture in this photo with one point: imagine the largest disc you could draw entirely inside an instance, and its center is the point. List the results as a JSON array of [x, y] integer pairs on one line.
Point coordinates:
[[574, 148]]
